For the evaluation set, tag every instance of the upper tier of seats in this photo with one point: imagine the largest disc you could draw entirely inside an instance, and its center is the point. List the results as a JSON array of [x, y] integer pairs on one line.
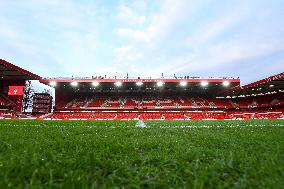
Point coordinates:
[[178, 102]]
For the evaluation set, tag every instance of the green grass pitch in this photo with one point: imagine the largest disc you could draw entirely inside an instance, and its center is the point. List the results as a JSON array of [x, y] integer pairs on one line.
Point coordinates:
[[166, 154]]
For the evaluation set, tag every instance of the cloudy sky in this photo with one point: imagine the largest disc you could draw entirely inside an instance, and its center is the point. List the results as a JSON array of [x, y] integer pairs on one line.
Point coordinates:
[[238, 38]]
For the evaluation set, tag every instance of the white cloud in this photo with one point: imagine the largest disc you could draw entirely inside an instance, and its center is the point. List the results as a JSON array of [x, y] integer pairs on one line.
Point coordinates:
[[12, 37], [216, 27], [159, 24], [133, 34], [159, 27], [210, 50], [126, 55], [228, 53], [169, 36], [122, 50], [129, 16], [8, 32], [140, 5], [126, 59], [49, 3]]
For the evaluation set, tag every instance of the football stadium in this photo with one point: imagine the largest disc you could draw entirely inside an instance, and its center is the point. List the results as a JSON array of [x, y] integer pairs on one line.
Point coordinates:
[[142, 132], [176, 98], [141, 94]]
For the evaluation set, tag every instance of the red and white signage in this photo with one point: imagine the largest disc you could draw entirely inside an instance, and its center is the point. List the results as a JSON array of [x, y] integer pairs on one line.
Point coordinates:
[[16, 90]]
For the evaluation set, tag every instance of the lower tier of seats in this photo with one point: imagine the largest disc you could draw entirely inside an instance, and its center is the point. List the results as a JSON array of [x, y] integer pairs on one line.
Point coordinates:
[[182, 115]]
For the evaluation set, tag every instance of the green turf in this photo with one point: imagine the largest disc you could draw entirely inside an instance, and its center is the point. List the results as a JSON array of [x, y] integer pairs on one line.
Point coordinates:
[[114, 154]]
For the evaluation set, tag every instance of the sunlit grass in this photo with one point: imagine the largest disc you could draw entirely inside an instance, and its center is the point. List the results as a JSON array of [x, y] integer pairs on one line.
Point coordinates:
[[166, 154]]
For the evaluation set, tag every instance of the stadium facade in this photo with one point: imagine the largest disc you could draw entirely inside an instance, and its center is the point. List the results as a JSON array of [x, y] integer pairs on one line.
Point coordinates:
[[176, 98]]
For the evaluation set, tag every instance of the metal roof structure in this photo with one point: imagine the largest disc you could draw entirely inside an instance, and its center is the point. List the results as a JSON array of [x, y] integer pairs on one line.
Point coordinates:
[[272, 84], [9, 71]]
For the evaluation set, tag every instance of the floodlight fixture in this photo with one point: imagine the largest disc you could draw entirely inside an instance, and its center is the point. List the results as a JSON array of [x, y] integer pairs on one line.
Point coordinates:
[[204, 83], [139, 83], [118, 84], [52, 83], [95, 84], [226, 83], [160, 83], [74, 84], [183, 83]]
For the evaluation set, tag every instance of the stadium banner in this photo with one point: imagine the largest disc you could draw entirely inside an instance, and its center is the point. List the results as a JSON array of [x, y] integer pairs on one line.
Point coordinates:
[[16, 90]]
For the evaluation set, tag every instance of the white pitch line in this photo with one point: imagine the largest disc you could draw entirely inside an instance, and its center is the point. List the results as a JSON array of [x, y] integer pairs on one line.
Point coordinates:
[[148, 127]]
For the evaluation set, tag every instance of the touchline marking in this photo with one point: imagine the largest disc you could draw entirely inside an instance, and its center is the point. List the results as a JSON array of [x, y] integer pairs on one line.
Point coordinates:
[[147, 127]]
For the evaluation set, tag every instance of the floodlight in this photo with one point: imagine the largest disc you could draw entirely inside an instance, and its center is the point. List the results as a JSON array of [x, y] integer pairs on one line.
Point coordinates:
[[52, 83], [95, 83], [118, 84], [183, 83], [204, 83], [160, 83], [139, 83], [74, 84], [226, 83], [271, 86]]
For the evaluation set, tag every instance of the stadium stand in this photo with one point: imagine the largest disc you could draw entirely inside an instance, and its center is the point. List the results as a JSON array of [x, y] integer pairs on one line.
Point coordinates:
[[170, 105], [169, 115], [12, 77], [5, 101], [132, 102], [178, 98]]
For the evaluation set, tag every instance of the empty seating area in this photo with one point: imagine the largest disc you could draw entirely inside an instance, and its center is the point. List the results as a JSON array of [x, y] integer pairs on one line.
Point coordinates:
[[82, 115], [145, 107], [10, 114], [6, 108], [260, 101], [170, 115], [127, 116], [5, 101], [162, 102], [151, 116]]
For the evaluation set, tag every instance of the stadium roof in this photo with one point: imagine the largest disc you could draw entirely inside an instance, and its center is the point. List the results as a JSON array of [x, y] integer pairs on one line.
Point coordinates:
[[9, 71], [138, 79], [175, 84], [272, 84]]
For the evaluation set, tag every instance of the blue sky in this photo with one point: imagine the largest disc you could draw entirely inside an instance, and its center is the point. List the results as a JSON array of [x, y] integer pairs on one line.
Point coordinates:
[[238, 38]]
